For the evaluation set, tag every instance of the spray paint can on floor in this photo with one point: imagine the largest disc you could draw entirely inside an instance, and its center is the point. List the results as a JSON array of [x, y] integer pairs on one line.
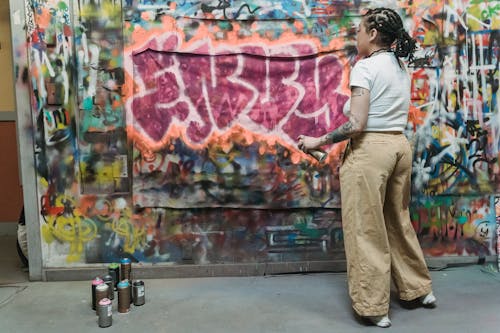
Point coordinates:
[[130, 291], [126, 269], [95, 282], [114, 271], [101, 291], [105, 312], [139, 292], [108, 280], [123, 296]]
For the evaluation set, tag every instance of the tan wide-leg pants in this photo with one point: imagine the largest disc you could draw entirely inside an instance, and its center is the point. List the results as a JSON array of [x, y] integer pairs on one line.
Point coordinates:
[[380, 242]]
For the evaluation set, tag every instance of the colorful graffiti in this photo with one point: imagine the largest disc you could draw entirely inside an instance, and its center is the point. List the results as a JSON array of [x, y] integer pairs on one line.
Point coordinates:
[[249, 9], [51, 71], [219, 235], [165, 130], [455, 104], [103, 147], [455, 226]]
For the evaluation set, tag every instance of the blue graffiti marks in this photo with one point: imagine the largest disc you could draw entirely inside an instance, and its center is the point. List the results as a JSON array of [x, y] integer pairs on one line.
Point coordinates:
[[248, 9], [325, 20]]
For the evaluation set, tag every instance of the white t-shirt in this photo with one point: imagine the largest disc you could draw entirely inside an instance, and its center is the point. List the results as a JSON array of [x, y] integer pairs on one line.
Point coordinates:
[[389, 87]]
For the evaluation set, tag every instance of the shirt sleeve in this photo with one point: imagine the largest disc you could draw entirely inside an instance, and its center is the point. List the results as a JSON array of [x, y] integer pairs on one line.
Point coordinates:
[[361, 76]]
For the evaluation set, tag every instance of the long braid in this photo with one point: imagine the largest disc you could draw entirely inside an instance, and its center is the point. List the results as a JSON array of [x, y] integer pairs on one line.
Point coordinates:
[[390, 27]]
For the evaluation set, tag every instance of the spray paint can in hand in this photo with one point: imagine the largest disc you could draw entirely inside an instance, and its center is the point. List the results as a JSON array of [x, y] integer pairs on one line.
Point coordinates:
[[108, 280], [101, 291], [126, 269], [114, 271], [105, 312], [139, 292], [319, 154], [95, 282], [123, 296]]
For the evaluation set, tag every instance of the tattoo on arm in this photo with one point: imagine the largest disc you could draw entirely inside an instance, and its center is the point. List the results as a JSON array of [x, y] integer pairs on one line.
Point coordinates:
[[351, 127], [356, 92], [342, 133]]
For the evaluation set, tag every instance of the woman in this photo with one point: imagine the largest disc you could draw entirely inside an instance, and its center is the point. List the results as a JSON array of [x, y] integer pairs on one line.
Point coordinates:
[[375, 176]]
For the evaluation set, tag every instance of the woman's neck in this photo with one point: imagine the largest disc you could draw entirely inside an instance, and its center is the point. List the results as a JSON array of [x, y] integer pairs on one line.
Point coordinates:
[[377, 51]]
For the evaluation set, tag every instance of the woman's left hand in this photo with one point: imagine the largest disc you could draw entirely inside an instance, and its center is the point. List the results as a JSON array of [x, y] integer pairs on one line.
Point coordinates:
[[308, 142]]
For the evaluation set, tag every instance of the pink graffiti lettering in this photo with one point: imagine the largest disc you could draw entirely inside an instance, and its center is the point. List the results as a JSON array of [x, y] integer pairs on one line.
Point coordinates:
[[265, 90]]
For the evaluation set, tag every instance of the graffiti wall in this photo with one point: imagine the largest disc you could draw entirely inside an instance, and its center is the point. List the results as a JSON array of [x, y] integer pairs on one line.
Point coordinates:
[[166, 131]]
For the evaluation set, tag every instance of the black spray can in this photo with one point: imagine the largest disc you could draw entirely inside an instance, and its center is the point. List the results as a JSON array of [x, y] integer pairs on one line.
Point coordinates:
[[114, 271], [123, 297], [95, 282], [126, 269], [139, 292], [108, 280], [105, 313], [101, 291], [130, 291]]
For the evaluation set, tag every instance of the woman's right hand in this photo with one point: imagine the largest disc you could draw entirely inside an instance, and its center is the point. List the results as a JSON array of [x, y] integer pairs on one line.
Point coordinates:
[[306, 143]]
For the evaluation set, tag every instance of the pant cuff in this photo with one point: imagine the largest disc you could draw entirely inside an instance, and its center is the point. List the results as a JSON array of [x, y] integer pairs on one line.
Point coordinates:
[[371, 311], [409, 295]]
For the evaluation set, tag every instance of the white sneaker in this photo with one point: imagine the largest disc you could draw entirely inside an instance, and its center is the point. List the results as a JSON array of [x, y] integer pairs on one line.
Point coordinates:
[[428, 300], [380, 321]]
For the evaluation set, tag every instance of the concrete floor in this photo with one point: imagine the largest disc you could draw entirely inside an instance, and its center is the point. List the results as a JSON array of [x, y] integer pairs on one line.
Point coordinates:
[[468, 301]]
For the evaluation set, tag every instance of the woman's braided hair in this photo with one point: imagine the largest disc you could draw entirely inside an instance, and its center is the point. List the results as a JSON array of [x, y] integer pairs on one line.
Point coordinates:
[[390, 28]]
